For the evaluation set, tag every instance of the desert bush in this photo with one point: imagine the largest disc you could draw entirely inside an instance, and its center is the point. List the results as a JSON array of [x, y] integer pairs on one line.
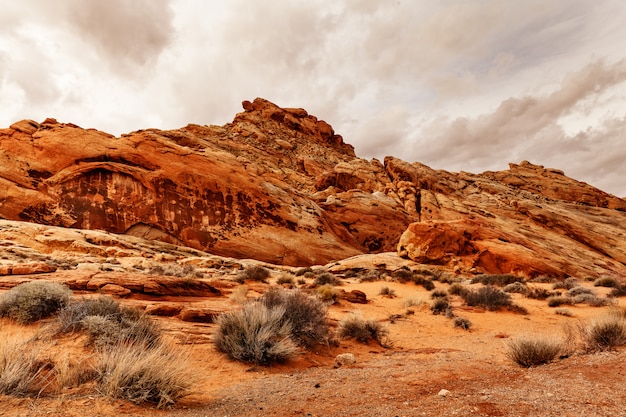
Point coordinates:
[[369, 276], [355, 327], [427, 283], [558, 300], [306, 315], [618, 291], [516, 287], [327, 293], [403, 275], [456, 289], [439, 306], [413, 301], [285, 279], [567, 284], [462, 323], [240, 294], [604, 333], [326, 278], [530, 351], [301, 281], [538, 293], [253, 273], [564, 312], [20, 368], [387, 292], [609, 282], [160, 376], [495, 279], [439, 294], [255, 334], [108, 323], [573, 292], [301, 271], [34, 300], [487, 297]]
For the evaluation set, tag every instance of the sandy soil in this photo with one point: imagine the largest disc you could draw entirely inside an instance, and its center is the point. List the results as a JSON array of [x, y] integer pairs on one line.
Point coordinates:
[[428, 355]]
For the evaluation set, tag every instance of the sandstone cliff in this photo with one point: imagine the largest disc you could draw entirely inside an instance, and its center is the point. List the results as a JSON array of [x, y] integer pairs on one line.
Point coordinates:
[[280, 186]]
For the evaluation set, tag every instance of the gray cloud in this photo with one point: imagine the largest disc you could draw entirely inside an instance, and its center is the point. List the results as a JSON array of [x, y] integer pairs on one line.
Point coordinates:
[[455, 84]]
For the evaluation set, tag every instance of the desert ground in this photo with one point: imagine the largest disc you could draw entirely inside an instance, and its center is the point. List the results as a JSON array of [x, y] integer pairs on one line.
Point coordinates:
[[431, 368]]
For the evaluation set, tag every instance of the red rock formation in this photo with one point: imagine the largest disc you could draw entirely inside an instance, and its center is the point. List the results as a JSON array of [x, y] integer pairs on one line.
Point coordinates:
[[280, 186]]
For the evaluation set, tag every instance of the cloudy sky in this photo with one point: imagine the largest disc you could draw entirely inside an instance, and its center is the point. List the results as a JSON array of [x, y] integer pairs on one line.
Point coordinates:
[[461, 85]]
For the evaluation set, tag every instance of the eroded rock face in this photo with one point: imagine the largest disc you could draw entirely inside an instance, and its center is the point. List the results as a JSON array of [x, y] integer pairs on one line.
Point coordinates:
[[279, 185]]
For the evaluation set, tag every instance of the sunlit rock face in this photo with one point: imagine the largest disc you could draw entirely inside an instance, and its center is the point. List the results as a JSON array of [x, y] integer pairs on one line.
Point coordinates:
[[279, 185]]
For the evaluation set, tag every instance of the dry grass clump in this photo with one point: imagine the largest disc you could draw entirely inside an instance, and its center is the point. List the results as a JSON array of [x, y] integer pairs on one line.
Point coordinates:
[[530, 351], [21, 372], [608, 282], [618, 291], [567, 284], [34, 300], [456, 289], [370, 276], [440, 305], [355, 327], [500, 280], [462, 323], [558, 300], [253, 273], [516, 287], [160, 375], [285, 279], [387, 292], [327, 293], [604, 333], [413, 302], [538, 293], [306, 315], [271, 329], [255, 334], [487, 297], [564, 312], [326, 278], [573, 292], [108, 323]]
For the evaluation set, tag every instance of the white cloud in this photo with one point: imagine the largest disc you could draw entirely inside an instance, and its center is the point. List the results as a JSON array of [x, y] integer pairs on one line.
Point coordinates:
[[456, 84]]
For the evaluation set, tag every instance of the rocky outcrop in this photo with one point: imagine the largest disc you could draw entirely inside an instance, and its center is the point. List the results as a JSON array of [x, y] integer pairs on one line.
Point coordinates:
[[279, 185]]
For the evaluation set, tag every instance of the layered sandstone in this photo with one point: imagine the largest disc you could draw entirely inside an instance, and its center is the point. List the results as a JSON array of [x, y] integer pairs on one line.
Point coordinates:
[[279, 185]]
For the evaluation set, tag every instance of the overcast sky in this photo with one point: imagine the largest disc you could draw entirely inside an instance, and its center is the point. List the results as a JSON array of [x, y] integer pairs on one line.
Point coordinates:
[[461, 85]]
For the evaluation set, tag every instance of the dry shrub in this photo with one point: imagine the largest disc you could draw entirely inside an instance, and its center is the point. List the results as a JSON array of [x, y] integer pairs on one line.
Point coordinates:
[[327, 293], [369, 276], [538, 293], [253, 273], [456, 289], [240, 294], [285, 279], [558, 300], [608, 282], [516, 287], [530, 351], [306, 315], [387, 292], [604, 333], [487, 297], [34, 300], [618, 291], [108, 323], [495, 279], [564, 312], [355, 327], [575, 291], [21, 372], [326, 278], [462, 323], [413, 301], [567, 284], [161, 375], [255, 334]]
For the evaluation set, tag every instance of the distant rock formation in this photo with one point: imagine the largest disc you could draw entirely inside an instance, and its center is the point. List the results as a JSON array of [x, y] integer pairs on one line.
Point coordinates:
[[279, 185]]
